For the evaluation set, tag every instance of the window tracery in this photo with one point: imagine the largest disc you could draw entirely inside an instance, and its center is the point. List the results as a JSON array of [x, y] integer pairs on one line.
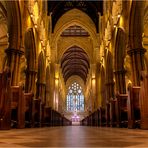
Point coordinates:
[[75, 98]]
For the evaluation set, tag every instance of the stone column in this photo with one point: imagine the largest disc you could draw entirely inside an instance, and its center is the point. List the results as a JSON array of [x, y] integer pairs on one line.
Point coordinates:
[[30, 80], [120, 81], [137, 58], [93, 87], [41, 92], [56, 87], [109, 90], [14, 56], [41, 96], [109, 95], [121, 102]]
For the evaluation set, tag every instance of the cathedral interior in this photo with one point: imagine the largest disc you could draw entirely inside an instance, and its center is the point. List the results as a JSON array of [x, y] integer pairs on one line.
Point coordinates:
[[76, 70]]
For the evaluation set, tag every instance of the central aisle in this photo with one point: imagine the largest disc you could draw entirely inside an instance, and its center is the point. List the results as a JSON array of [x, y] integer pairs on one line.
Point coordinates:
[[74, 136]]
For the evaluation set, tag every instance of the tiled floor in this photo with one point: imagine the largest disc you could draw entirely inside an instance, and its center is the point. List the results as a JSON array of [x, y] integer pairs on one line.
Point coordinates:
[[74, 136]]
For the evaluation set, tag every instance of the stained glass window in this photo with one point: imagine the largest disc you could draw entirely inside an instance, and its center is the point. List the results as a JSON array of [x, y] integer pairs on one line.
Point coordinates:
[[75, 98]]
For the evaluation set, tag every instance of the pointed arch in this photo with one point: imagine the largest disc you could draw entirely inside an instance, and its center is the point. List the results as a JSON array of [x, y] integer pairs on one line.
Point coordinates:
[[14, 24], [41, 78], [30, 56], [30, 49], [136, 24], [48, 101], [75, 98], [108, 66], [109, 75], [102, 87], [41, 68], [120, 49], [3, 37], [83, 21]]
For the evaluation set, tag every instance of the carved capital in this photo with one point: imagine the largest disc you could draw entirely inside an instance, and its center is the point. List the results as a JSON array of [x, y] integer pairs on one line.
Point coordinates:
[[136, 51], [31, 71], [121, 71], [16, 51]]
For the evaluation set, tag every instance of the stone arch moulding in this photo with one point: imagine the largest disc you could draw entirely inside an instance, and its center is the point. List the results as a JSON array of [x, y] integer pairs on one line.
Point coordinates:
[[47, 100], [41, 68], [136, 24], [66, 21], [102, 86], [3, 37], [108, 65], [119, 49], [30, 49], [30, 56], [14, 24]]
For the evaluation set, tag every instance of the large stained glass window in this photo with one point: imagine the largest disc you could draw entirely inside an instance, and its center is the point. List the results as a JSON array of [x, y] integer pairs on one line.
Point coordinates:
[[75, 98]]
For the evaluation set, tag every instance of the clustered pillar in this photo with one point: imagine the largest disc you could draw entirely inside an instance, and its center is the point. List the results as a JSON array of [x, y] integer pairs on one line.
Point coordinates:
[[137, 58], [14, 56]]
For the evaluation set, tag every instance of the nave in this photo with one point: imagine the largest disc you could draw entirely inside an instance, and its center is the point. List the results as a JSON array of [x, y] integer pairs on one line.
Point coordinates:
[[68, 62], [74, 136]]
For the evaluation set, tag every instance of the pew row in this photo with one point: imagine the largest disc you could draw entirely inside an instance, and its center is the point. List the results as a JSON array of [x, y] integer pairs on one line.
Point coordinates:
[[5, 101], [133, 107]]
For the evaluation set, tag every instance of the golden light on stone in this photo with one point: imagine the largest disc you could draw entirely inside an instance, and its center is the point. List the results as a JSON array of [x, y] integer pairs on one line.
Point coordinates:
[[129, 82], [56, 81], [121, 22], [28, 21]]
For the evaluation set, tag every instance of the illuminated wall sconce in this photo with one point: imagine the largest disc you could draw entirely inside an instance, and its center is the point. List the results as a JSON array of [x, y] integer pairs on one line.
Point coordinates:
[[56, 81], [31, 15], [41, 41], [44, 47], [93, 80], [115, 26], [129, 82], [119, 15], [35, 26]]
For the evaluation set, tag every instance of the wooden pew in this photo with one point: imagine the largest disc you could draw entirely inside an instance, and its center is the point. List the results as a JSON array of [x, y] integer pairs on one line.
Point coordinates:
[[13, 104], [93, 119], [36, 113], [5, 101], [28, 109], [113, 115], [144, 100], [47, 116], [66, 122], [96, 118], [98, 114], [17, 107], [133, 107], [102, 117], [107, 114], [57, 119], [90, 120], [121, 109]]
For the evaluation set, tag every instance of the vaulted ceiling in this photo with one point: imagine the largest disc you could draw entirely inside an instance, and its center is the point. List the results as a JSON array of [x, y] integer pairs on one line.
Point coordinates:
[[91, 8], [75, 61]]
